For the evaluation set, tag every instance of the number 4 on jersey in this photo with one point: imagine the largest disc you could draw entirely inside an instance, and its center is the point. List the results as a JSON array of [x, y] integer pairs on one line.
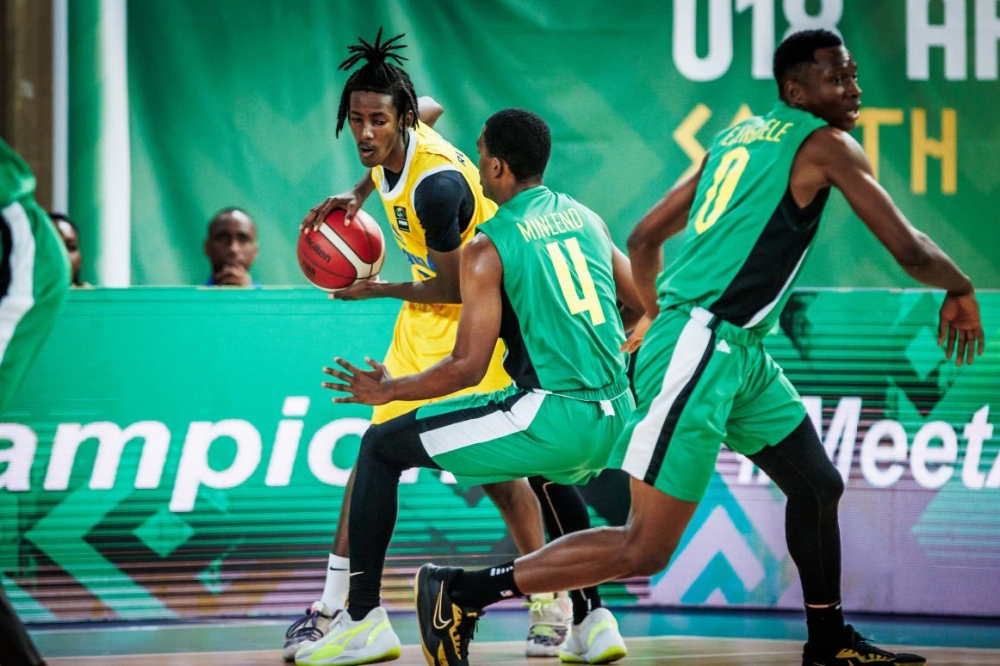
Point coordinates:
[[588, 302]]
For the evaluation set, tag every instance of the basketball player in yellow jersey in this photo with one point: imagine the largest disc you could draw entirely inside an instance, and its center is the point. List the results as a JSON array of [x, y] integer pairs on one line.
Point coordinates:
[[434, 201]]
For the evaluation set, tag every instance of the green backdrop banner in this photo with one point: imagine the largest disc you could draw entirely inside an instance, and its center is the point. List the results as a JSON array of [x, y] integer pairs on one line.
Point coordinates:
[[171, 454], [234, 103]]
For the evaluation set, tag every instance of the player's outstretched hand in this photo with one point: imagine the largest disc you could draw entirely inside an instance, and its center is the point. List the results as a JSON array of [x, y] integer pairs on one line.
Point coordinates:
[[347, 200], [367, 387], [638, 333], [960, 327]]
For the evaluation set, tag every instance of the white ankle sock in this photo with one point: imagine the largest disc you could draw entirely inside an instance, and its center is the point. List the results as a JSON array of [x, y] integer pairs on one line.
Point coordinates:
[[337, 582]]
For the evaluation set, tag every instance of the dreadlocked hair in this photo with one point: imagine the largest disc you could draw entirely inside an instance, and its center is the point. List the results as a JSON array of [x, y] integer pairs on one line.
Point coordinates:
[[378, 75]]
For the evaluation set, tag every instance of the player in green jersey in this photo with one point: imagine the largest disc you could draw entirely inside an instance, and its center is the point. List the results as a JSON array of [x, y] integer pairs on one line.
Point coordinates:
[[543, 275], [702, 374], [34, 279]]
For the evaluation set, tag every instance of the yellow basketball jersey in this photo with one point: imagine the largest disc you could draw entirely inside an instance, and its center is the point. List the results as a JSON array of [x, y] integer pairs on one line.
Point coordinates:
[[425, 333], [426, 154]]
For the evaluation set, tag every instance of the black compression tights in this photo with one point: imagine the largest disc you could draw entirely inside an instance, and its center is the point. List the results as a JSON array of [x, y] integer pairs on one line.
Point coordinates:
[[802, 470], [387, 450], [564, 511]]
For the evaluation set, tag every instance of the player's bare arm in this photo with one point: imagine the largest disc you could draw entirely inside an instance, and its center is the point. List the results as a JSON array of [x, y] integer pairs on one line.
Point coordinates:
[[645, 247], [831, 157], [429, 110], [478, 330], [621, 268], [442, 288]]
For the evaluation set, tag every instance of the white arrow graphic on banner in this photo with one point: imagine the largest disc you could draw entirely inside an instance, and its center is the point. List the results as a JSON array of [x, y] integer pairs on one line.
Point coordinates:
[[717, 535]]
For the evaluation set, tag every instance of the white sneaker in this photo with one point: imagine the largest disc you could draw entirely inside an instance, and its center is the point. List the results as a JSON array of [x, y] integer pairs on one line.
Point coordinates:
[[307, 629], [367, 641], [549, 620], [595, 640]]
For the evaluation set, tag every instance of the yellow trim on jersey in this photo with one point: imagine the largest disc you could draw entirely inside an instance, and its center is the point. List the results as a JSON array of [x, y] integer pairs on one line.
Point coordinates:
[[427, 153]]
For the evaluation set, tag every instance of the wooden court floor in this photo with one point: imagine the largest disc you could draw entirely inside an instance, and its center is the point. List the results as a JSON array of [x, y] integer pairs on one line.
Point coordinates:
[[642, 650], [653, 636]]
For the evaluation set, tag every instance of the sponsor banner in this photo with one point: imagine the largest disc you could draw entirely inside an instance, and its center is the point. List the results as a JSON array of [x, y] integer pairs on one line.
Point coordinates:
[[172, 455]]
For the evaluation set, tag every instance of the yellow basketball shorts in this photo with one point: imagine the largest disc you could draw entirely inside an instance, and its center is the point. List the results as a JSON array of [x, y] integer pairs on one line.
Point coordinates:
[[425, 334]]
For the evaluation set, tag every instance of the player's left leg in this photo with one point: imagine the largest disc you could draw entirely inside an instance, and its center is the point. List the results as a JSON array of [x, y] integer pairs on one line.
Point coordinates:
[[362, 634], [771, 411], [802, 470], [577, 628], [16, 648]]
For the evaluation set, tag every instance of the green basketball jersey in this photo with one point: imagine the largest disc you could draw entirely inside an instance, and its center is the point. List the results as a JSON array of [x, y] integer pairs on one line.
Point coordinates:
[[16, 179], [746, 237], [560, 319]]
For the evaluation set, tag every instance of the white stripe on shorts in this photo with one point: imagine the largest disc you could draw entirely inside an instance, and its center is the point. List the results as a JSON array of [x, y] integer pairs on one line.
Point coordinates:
[[483, 429], [19, 298], [688, 352]]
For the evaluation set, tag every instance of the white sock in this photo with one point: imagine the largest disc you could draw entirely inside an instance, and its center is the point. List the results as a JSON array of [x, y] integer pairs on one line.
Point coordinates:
[[337, 583]]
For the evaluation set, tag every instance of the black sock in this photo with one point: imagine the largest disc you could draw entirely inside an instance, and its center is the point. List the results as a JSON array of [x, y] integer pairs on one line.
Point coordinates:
[[481, 587], [360, 611], [584, 601], [826, 627], [564, 511]]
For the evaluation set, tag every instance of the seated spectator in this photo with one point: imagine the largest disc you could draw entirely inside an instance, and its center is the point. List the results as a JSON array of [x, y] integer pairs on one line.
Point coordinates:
[[231, 246], [71, 239]]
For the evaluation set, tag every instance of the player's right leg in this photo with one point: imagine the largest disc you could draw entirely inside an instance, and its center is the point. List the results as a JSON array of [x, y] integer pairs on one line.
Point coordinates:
[[669, 448], [449, 601], [318, 617]]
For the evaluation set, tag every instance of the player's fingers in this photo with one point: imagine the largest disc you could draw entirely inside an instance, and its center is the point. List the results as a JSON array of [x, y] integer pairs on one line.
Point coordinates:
[[347, 365], [346, 399], [961, 343], [950, 344], [982, 340], [631, 344], [344, 388], [374, 364], [942, 330], [333, 372], [307, 221], [350, 211], [322, 211]]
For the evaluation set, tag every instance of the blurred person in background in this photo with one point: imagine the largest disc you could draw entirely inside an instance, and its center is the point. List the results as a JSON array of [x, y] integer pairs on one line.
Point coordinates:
[[71, 239], [231, 247]]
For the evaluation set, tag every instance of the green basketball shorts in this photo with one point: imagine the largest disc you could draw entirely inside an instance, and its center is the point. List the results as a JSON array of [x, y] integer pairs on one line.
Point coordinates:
[[701, 382], [514, 433]]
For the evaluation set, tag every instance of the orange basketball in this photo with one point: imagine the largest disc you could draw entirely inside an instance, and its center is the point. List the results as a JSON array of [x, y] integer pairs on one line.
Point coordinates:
[[336, 256]]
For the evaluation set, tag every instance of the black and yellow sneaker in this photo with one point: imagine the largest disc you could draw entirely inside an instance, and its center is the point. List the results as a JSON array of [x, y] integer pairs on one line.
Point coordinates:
[[856, 651], [445, 627]]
